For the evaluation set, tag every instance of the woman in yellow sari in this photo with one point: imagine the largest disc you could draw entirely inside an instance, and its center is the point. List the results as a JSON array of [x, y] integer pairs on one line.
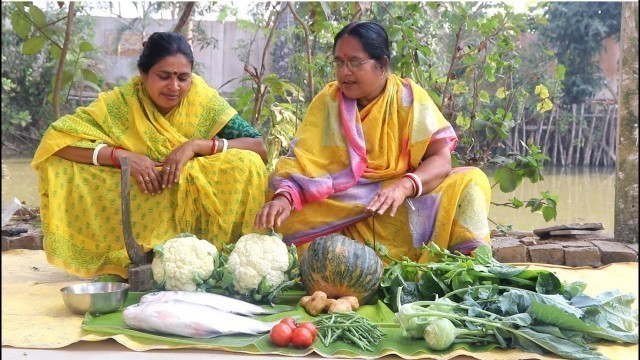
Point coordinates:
[[197, 166], [372, 160]]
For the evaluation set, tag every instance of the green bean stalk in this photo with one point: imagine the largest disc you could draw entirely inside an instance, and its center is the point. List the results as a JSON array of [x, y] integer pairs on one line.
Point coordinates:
[[350, 328]]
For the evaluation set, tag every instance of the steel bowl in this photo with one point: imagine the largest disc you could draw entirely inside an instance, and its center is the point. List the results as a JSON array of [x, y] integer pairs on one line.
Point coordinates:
[[95, 298]]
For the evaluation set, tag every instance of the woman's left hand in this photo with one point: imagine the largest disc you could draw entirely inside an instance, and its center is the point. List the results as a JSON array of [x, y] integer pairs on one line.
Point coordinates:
[[390, 197], [173, 164]]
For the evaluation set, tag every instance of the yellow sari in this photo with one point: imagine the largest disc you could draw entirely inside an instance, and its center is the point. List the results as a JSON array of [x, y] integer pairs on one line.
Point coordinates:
[[216, 199], [341, 157]]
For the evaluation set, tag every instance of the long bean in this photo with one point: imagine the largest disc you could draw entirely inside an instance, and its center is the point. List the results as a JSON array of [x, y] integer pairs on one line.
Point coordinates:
[[350, 328]]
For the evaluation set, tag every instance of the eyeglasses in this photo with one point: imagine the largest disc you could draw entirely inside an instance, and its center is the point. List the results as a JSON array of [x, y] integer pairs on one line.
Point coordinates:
[[354, 64]]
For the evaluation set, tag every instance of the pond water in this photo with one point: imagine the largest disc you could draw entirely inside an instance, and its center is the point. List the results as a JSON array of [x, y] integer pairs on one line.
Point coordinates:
[[585, 195]]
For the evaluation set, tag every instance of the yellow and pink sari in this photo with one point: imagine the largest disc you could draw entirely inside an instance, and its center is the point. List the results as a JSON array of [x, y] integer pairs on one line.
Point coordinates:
[[341, 157], [216, 198]]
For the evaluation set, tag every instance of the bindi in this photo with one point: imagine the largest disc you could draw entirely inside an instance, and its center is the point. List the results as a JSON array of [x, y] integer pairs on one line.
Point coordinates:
[[175, 72]]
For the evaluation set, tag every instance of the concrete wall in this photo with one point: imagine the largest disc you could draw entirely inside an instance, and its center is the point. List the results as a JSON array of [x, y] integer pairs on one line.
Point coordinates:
[[216, 65]]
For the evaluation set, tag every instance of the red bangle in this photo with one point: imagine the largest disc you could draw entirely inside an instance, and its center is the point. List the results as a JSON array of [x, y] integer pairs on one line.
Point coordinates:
[[413, 183], [113, 156], [286, 195], [214, 146]]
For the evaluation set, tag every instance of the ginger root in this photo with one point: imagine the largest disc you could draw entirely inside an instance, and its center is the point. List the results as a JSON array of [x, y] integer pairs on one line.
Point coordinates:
[[318, 303], [340, 305], [314, 304]]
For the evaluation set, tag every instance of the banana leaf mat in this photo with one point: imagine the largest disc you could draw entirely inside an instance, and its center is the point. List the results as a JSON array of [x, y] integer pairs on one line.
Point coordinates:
[[34, 316]]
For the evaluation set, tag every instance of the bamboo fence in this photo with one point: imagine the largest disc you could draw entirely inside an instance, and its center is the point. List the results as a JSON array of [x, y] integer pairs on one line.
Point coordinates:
[[579, 135]]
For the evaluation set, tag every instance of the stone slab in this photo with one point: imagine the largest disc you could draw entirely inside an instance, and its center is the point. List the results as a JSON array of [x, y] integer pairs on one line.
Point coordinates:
[[575, 244], [612, 252], [574, 232], [545, 232], [547, 254], [582, 256], [508, 249]]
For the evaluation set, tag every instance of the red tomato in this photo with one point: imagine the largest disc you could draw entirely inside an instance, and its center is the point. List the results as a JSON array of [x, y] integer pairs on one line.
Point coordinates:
[[280, 334], [301, 338], [309, 326], [290, 321]]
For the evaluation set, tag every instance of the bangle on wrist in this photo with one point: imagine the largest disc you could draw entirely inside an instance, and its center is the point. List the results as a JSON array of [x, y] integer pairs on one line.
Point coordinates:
[[285, 194], [416, 182], [214, 146], [225, 144], [113, 156], [96, 151]]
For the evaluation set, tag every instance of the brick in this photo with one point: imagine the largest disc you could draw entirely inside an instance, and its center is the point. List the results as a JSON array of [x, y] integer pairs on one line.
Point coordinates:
[[577, 244], [633, 247], [5, 243], [31, 241], [582, 256], [508, 250], [529, 241], [547, 254], [613, 252]]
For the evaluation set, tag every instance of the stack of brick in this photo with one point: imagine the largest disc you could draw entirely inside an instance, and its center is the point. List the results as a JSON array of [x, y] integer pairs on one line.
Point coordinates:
[[573, 245]]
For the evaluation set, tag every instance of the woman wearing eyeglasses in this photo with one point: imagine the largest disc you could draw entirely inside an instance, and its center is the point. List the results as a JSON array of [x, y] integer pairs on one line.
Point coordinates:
[[372, 160]]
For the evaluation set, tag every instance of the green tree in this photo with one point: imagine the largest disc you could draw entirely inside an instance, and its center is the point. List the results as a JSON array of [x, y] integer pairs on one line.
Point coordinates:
[[575, 30]]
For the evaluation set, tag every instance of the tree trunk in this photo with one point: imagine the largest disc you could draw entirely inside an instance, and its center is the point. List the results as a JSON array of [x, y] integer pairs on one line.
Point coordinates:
[[184, 18], [573, 133], [549, 126], [589, 142], [63, 54], [580, 143], [626, 210]]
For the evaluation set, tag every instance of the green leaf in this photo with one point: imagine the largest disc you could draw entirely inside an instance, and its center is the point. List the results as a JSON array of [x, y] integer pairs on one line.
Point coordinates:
[[460, 88], [33, 45], [556, 316], [90, 76], [20, 24], [55, 51], [549, 213], [86, 46], [38, 17], [507, 179], [501, 93], [560, 71], [483, 96]]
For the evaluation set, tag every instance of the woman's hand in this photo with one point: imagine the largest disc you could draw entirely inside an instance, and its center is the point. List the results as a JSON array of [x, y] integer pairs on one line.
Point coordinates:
[[173, 164], [273, 213], [390, 197], [143, 170]]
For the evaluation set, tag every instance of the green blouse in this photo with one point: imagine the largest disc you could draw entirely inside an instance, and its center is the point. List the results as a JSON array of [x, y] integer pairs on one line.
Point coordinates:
[[238, 127]]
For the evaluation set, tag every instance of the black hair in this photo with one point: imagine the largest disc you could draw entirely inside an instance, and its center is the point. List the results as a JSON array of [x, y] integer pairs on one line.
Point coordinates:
[[159, 46], [373, 37]]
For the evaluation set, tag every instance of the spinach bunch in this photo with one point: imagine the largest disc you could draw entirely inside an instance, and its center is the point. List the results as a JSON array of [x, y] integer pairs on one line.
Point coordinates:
[[523, 319], [428, 281], [476, 299]]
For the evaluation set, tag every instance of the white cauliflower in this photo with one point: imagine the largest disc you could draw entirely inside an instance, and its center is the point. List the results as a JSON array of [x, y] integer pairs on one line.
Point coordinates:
[[183, 263], [259, 264]]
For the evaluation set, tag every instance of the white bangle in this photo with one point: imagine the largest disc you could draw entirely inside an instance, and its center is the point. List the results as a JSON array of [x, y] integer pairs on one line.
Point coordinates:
[[95, 153], [225, 143], [417, 181]]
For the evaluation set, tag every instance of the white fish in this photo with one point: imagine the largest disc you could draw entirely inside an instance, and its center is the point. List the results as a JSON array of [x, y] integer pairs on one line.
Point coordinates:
[[220, 302], [178, 317]]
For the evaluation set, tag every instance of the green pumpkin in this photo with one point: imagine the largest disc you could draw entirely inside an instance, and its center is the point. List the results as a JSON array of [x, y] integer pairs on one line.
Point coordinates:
[[341, 266]]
